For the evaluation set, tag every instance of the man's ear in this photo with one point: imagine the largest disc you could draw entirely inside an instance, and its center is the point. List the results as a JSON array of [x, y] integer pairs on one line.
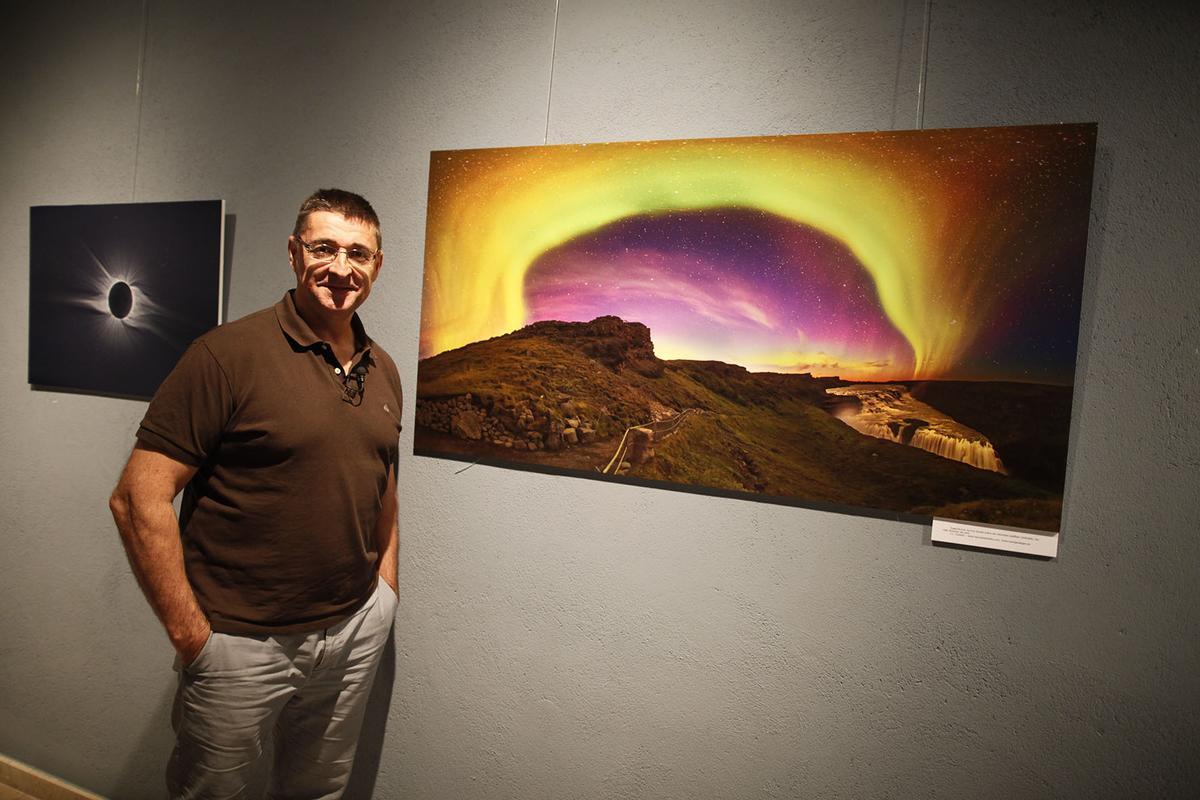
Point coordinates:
[[291, 247]]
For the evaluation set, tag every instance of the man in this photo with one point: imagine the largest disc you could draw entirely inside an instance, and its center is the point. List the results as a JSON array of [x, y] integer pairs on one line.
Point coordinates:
[[277, 583]]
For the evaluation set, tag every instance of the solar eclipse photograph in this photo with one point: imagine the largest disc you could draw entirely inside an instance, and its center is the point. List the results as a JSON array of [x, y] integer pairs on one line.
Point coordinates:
[[118, 292]]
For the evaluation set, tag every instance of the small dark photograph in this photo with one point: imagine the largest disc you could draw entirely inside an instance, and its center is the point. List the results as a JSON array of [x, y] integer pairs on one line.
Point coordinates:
[[117, 292]]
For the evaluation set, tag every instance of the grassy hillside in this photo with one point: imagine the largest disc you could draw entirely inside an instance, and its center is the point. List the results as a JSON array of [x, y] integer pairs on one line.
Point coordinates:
[[758, 433]]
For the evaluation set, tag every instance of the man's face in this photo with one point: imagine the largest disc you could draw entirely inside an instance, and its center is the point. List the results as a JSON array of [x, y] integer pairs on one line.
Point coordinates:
[[337, 285]]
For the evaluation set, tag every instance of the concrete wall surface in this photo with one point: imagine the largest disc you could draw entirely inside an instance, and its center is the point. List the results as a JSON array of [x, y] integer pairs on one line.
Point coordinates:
[[574, 639]]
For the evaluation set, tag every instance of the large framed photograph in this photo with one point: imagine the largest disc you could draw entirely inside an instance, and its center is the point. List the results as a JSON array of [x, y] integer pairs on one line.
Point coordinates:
[[875, 323], [117, 292]]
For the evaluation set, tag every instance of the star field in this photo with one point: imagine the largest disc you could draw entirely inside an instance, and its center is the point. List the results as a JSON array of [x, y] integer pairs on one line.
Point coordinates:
[[735, 285]]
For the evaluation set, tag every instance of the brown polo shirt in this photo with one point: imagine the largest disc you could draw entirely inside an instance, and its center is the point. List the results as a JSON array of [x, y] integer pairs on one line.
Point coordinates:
[[292, 462]]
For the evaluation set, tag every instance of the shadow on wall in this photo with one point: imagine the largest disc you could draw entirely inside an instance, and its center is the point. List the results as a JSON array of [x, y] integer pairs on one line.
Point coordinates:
[[227, 264], [144, 773], [1097, 227], [370, 743]]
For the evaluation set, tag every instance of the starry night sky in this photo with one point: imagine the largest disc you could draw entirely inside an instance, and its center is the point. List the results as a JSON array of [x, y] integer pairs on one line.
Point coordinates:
[[723, 283], [875, 256]]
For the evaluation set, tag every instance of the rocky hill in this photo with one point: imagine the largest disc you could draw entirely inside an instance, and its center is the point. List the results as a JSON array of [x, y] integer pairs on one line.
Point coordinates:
[[610, 340], [603, 374]]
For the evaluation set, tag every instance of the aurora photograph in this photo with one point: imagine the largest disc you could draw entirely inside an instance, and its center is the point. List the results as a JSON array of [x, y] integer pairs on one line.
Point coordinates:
[[877, 323], [118, 291]]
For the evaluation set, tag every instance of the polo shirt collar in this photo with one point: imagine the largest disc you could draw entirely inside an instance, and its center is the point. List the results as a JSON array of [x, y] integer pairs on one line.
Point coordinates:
[[296, 329]]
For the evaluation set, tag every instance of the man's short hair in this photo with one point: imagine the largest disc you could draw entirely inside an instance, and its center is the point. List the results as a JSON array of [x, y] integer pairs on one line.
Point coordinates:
[[348, 204]]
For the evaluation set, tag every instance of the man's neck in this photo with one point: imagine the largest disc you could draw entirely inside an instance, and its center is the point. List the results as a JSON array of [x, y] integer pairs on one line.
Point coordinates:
[[331, 327]]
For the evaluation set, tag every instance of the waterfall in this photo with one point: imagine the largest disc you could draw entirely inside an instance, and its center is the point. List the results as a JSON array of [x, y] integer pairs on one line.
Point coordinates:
[[888, 411], [980, 454]]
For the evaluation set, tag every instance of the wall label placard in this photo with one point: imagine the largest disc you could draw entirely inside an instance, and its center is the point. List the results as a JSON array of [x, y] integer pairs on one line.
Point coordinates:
[[995, 537]]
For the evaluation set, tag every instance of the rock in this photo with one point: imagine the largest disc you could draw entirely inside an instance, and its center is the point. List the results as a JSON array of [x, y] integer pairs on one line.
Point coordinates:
[[465, 425], [570, 436], [573, 422], [640, 440], [587, 435], [507, 419]]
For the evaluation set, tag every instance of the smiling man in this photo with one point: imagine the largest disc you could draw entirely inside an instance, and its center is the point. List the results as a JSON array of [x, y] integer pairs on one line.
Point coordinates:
[[277, 582]]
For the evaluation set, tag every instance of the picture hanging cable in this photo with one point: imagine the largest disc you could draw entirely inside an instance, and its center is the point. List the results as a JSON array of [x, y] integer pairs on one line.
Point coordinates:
[[141, 69], [550, 87], [467, 467], [924, 67]]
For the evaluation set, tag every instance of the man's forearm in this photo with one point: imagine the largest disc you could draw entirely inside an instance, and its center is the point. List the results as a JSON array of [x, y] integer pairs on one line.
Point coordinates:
[[389, 557], [389, 561], [150, 533]]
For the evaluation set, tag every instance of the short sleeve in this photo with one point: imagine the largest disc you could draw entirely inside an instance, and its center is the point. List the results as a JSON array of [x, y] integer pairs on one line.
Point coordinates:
[[190, 410]]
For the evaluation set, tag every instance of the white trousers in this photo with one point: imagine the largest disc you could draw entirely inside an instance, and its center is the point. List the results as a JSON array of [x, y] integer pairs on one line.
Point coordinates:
[[310, 688]]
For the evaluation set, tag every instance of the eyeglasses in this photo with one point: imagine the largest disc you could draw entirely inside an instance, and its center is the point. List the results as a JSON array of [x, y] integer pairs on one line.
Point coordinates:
[[324, 252]]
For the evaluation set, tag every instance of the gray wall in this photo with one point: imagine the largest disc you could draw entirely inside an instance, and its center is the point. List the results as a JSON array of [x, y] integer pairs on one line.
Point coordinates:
[[565, 638]]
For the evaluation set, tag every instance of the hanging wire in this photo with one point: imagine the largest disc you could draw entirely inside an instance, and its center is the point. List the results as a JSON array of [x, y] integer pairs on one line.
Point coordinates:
[[924, 67], [550, 87], [141, 71]]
